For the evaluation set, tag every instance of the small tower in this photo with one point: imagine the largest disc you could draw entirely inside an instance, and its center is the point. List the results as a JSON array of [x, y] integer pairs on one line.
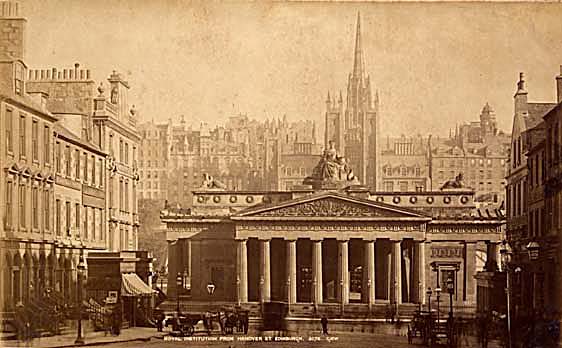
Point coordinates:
[[488, 122]]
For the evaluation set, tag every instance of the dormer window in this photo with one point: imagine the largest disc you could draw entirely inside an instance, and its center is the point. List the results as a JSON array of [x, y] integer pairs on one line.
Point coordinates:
[[18, 78]]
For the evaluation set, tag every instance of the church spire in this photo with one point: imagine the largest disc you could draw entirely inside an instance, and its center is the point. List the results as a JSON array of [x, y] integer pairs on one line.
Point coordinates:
[[358, 55]]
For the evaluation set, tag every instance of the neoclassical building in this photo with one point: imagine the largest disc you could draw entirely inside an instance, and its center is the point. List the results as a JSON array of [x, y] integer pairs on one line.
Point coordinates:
[[335, 245]]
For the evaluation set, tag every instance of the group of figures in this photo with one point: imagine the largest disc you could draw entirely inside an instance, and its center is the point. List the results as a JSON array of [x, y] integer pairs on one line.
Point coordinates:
[[332, 168]]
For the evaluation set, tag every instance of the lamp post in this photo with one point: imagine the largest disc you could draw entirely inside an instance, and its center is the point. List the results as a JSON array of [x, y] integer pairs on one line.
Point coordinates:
[[289, 294], [533, 250], [81, 268], [238, 290], [506, 253], [438, 293], [369, 296], [211, 289], [429, 292], [342, 297], [179, 282], [450, 290]]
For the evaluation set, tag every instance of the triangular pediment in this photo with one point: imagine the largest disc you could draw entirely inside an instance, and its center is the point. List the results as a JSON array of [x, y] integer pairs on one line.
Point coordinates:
[[330, 205]]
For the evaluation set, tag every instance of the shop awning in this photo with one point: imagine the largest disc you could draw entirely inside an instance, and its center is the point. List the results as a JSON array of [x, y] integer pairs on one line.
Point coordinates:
[[132, 285]]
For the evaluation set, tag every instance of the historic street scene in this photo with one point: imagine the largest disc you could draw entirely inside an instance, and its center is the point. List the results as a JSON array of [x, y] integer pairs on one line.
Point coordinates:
[[298, 174]]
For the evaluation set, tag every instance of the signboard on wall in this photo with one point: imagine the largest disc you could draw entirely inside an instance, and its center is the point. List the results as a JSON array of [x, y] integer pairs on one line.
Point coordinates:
[[111, 297]]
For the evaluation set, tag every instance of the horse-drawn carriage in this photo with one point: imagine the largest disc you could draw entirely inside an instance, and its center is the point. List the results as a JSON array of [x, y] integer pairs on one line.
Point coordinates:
[[432, 330], [187, 324]]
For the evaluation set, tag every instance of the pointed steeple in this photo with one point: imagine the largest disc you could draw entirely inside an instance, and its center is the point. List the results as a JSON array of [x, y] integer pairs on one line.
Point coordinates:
[[358, 55]]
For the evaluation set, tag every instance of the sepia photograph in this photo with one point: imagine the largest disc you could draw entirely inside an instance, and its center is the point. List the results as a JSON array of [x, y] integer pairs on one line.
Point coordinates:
[[230, 174]]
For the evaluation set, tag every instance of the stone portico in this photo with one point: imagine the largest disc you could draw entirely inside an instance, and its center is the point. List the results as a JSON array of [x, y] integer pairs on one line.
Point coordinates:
[[318, 249]]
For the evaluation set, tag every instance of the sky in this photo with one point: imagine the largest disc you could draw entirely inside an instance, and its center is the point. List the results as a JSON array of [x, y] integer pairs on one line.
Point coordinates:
[[434, 65]]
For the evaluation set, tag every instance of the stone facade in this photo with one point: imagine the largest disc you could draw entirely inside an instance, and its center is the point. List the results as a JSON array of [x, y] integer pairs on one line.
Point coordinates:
[[350, 247], [56, 184], [534, 205], [405, 164]]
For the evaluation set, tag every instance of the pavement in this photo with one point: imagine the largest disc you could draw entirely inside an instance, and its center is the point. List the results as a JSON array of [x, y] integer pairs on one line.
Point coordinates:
[[139, 334], [146, 337]]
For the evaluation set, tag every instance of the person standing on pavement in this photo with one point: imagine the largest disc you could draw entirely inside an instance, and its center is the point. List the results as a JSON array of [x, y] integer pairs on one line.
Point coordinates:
[[324, 322]]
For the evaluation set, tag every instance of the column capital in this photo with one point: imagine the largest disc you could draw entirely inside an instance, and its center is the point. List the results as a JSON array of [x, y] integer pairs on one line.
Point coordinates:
[[289, 239], [240, 239], [264, 239], [342, 239], [394, 240], [370, 239], [316, 239]]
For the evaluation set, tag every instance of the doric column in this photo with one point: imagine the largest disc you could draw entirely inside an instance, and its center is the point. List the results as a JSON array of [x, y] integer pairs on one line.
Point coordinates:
[[317, 271], [292, 271], [343, 274], [265, 271], [419, 251], [396, 278], [241, 271], [369, 274]]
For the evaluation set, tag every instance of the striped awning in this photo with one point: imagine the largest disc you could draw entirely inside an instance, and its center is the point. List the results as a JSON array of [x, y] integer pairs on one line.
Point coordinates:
[[132, 285]]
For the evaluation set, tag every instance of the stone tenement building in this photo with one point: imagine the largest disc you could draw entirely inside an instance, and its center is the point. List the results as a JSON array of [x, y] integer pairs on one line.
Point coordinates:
[[534, 203], [480, 152], [337, 249], [355, 128], [109, 123], [477, 150], [244, 155], [57, 183], [405, 165]]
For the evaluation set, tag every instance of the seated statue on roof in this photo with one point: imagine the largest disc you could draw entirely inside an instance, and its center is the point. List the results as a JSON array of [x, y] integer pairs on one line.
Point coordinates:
[[211, 183], [332, 169], [454, 184]]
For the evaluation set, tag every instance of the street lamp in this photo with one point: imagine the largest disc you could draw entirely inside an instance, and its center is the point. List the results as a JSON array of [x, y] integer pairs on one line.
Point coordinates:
[[438, 293], [179, 282], [342, 297], [450, 290], [238, 290], [81, 270], [369, 296], [533, 249], [429, 292], [289, 294], [211, 288], [506, 253]]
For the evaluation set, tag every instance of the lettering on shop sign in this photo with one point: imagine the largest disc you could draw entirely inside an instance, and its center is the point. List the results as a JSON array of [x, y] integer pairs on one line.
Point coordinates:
[[446, 252]]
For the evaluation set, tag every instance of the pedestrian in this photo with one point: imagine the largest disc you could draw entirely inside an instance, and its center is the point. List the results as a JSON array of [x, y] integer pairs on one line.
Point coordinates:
[[483, 322], [117, 321], [324, 322], [159, 321], [245, 323]]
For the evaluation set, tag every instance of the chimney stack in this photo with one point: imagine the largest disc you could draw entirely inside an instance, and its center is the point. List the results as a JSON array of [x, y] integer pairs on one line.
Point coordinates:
[[12, 31], [559, 86]]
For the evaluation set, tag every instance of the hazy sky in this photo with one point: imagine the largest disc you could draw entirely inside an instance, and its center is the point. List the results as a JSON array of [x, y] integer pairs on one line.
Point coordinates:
[[434, 64]]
